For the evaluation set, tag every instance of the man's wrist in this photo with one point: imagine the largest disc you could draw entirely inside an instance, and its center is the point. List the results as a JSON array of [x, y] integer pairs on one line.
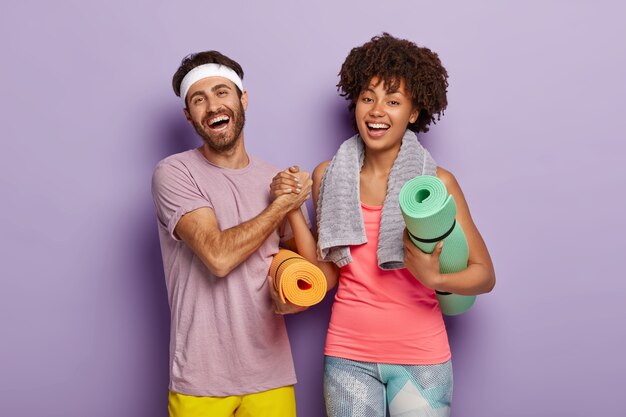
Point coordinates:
[[283, 205]]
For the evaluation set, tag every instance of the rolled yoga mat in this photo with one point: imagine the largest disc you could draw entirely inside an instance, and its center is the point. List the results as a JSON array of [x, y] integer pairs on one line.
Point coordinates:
[[296, 279], [429, 213]]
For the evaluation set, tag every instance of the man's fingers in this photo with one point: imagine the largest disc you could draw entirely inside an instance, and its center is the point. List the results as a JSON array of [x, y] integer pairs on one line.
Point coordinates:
[[284, 180], [273, 292]]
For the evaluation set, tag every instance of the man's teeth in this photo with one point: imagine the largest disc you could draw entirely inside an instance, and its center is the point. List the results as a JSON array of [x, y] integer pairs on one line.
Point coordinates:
[[219, 119], [378, 126]]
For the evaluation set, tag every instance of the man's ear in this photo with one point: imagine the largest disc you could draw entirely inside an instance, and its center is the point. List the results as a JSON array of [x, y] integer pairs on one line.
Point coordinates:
[[187, 115], [244, 100]]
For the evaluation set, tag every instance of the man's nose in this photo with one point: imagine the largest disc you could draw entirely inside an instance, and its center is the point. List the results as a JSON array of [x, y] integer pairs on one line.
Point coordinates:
[[213, 105]]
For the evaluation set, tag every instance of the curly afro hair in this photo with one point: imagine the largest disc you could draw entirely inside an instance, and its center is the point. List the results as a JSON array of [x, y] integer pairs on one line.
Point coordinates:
[[392, 60]]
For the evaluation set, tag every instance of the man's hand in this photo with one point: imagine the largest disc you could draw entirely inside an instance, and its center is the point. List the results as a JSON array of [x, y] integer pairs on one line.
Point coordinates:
[[279, 306], [291, 187]]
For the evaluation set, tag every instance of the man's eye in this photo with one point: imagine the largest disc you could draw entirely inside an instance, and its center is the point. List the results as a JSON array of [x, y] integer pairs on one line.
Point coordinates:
[[198, 100]]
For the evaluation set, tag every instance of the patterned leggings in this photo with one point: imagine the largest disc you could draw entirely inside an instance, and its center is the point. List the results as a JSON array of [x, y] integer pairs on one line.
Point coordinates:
[[359, 389]]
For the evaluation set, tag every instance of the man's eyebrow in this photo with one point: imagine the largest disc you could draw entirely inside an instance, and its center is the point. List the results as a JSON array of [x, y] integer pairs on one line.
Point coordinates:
[[197, 93], [217, 87], [213, 89]]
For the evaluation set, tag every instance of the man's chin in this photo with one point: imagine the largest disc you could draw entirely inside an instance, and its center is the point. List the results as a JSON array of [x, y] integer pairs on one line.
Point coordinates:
[[223, 142], [220, 146]]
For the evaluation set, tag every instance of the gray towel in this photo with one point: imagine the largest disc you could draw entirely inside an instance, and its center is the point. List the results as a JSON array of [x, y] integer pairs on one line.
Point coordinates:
[[339, 216]]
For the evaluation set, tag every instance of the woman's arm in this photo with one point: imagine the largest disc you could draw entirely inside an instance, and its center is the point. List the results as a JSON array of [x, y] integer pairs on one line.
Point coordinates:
[[479, 276], [285, 182]]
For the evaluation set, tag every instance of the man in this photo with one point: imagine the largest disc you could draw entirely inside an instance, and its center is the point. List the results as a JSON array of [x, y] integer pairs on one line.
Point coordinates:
[[219, 227]]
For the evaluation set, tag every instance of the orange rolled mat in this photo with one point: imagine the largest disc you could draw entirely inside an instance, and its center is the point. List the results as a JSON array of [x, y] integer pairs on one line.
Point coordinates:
[[296, 279]]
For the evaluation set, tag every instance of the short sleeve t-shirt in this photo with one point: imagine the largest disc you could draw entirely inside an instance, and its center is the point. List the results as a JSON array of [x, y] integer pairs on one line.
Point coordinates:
[[225, 338]]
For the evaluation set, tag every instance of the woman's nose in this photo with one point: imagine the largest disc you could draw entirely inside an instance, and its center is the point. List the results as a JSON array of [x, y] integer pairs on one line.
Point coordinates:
[[377, 110]]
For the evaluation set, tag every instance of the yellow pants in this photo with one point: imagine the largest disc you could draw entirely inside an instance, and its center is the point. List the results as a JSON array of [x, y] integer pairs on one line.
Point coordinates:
[[279, 402]]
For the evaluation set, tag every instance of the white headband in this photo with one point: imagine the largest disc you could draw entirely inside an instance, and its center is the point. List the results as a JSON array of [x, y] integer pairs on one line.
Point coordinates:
[[205, 71]]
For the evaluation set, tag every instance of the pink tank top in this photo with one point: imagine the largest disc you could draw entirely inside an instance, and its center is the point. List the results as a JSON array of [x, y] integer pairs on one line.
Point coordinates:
[[384, 316]]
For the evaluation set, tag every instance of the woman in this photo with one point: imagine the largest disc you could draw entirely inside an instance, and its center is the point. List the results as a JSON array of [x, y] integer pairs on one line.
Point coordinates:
[[386, 343]]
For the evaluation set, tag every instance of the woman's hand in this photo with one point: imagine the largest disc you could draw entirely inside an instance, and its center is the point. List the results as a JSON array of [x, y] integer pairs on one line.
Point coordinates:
[[423, 266]]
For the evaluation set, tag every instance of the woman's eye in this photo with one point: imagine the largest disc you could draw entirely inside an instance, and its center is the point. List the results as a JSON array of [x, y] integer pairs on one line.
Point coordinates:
[[394, 102]]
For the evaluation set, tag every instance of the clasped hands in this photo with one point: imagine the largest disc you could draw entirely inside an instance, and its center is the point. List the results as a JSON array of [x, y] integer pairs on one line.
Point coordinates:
[[291, 187]]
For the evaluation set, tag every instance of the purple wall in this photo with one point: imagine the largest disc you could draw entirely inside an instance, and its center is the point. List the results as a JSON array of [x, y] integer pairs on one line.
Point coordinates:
[[534, 133]]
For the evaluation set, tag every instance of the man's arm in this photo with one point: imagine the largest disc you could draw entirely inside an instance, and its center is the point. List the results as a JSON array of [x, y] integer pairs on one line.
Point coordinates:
[[303, 240], [223, 250]]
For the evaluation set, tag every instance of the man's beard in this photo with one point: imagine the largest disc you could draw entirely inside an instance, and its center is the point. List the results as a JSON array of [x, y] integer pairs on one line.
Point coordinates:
[[224, 141]]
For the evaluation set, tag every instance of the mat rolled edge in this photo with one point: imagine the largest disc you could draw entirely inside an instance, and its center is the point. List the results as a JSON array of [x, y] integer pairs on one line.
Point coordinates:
[[450, 304], [296, 279]]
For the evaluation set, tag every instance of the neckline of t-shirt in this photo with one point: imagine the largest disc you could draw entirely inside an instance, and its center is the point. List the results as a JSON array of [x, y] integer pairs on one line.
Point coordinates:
[[229, 170], [370, 207]]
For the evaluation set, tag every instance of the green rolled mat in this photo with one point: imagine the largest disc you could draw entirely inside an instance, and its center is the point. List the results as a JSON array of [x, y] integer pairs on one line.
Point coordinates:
[[429, 213]]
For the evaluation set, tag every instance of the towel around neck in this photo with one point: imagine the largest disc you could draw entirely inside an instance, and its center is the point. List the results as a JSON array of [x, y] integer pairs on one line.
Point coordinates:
[[339, 216]]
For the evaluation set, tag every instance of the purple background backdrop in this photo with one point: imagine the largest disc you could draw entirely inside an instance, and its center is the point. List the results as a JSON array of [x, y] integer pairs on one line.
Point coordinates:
[[534, 132]]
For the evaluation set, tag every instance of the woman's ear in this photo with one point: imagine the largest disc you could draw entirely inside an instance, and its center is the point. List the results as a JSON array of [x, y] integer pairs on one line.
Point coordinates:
[[414, 115]]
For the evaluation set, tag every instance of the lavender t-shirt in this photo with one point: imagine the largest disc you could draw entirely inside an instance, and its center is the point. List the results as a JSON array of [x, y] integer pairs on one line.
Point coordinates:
[[225, 338]]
